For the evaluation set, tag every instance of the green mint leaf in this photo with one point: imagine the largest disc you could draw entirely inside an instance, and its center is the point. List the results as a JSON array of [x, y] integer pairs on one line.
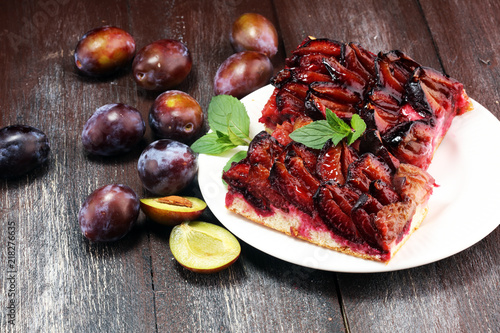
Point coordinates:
[[337, 124], [358, 127], [315, 134], [212, 144], [227, 112], [235, 158], [235, 139], [220, 134], [223, 140]]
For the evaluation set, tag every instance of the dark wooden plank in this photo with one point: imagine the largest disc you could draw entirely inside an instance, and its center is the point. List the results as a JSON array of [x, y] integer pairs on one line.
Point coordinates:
[[458, 294], [468, 43], [376, 25], [252, 295], [62, 283]]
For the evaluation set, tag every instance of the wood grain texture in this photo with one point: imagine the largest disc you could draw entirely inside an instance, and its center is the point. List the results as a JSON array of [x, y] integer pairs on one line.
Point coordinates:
[[467, 45], [65, 284]]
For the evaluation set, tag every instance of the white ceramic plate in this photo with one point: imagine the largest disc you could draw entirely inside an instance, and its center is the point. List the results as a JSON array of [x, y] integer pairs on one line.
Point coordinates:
[[462, 211]]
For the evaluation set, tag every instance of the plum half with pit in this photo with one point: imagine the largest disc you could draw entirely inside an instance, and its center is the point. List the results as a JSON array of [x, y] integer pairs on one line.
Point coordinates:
[[254, 32], [109, 213], [172, 210], [242, 73], [22, 149], [176, 115], [103, 51], [162, 65], [167, 166], [113, 129]]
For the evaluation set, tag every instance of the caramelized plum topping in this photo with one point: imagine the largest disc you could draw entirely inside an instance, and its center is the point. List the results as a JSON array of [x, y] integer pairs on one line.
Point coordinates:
[[264, 149], [260, 187], [313, 62], [237, 175], [383, 192], [308, 155], [333, 216], [283, 76], [363, 217], [412, 143], [413, 183], [295, 165], [291, 187], [335, 92], [341, 74], [329, 165], [350, 61], [290, 107], [322, 46], [316, 107], [368, 168], [308, 77]]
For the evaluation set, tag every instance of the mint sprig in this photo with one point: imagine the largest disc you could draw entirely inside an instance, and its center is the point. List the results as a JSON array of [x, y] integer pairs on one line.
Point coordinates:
[[230, 125], [317, 133]]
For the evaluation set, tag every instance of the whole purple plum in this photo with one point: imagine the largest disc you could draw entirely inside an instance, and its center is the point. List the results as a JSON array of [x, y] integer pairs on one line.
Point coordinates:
[[176, 115], [109, 213], [254, 32], [242, 73], [103, 51], [162, 65], [113, 129], [22, 149], [166, 166]]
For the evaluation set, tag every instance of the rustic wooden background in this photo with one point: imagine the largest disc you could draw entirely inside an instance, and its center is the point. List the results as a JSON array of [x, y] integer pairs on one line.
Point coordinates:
[[64, 284]]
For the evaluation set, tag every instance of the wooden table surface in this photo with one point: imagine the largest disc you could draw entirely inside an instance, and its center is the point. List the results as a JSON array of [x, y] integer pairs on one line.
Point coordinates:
[[62, 283]]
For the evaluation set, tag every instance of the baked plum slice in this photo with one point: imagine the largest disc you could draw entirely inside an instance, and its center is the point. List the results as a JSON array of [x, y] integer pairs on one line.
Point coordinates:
[[334, 203], [412, 142], [435, 94], [291, 187], [322, 46], [367, 169], [264, 149], [360, 60]]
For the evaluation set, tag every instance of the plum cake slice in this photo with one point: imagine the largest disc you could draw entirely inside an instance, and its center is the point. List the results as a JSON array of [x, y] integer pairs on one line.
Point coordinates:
[[363, 199]]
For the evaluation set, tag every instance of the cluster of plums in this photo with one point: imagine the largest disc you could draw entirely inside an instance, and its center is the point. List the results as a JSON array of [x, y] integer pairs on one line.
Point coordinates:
[[255, 40], [176, 119], [168, 164]]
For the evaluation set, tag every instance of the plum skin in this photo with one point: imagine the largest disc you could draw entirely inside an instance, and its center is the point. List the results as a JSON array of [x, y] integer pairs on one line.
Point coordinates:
[[162, 65], [167, 166], [109, 213], [103, 51], [176, 115], [242, 73], [22, 149], [113, 129], [254, 32]]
